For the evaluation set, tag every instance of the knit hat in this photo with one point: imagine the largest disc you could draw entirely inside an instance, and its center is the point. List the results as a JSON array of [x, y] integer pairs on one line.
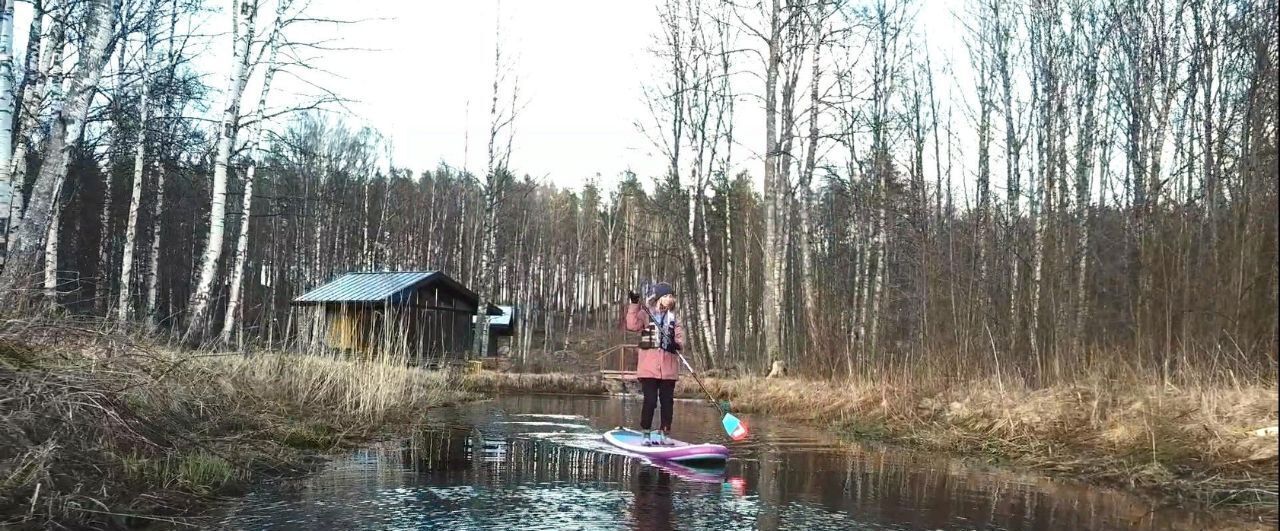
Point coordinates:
[[660, 289]]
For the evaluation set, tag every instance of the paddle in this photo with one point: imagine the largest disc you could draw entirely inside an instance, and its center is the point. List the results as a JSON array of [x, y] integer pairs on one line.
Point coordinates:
[[733, 426]]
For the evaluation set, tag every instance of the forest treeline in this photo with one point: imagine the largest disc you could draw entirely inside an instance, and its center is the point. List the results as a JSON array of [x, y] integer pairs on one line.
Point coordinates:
[[1101, 194]]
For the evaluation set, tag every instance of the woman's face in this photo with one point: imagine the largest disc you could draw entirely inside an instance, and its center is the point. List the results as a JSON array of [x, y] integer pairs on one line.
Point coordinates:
[[667, 301]]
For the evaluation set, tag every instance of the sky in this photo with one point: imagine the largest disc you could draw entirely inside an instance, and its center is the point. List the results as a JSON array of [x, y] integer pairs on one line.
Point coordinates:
[[428, 81], [423, 74], [581, 66]]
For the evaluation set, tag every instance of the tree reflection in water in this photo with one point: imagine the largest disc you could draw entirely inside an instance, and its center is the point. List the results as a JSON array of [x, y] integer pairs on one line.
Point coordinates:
[[537, 462]]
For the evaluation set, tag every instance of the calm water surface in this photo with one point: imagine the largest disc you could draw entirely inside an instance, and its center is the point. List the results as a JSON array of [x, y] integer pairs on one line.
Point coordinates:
[[537, 462]]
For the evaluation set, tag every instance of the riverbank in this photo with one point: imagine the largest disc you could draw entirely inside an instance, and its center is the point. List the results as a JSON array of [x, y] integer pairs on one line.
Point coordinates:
[[105, 430], [1191, 443], [101, 429]]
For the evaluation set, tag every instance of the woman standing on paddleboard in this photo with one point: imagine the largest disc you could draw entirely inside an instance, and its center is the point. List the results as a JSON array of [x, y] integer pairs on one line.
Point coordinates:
[[661, 337]]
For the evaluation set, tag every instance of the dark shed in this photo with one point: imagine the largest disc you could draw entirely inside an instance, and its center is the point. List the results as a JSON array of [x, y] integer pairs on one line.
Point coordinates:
[[420, 315], [504, 322]]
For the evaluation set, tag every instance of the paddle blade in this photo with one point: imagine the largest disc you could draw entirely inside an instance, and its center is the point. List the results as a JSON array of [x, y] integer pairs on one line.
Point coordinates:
[[736, 429]]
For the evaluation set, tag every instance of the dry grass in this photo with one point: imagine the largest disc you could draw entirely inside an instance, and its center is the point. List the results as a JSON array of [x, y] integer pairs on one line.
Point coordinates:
[[101, 430], [368, 392], [548, 383], [1182, 442]]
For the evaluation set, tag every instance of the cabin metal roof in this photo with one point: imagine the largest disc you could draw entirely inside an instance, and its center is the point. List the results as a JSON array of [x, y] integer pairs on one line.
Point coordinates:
[[383, 286], [367, 287], [505, 318], [500, 316]]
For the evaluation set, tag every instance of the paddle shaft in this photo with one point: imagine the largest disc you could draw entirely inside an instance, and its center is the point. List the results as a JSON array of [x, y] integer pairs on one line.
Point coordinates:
[[693, 373]]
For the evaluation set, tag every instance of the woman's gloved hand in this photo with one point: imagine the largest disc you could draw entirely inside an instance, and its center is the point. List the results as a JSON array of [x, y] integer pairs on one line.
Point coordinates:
[[669, 344]]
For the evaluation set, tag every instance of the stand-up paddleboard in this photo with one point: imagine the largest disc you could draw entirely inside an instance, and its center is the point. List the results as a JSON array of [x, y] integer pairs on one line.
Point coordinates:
[[677, 451]]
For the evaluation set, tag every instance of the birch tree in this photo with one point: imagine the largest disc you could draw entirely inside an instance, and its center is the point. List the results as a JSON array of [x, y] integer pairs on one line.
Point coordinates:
[[1088, 56], [33, 91], [124, 306], [68, 124], [817, 29], [1003, 40], [172, 54], [497, 180], [244, 15], [7, 110], [255, 140], [1191, 117]]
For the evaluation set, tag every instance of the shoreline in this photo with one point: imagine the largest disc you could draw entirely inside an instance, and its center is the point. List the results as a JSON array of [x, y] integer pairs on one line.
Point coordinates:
[[1081, 432], [122, 433], [183, 431]]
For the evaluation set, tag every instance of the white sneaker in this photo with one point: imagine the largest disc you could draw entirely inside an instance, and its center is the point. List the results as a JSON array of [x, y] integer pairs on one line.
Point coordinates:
[[662, 439]]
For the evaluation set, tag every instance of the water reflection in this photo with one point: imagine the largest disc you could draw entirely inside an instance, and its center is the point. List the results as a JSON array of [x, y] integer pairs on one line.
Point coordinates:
[[538, 463], [652, 505]]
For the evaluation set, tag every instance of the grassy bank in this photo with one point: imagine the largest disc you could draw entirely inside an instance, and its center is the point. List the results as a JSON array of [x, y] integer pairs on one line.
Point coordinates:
[[101, 430], [1193, 442], [550, 383]]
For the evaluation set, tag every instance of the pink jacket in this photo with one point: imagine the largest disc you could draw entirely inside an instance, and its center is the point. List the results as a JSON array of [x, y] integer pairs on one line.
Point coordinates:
[[654, 362]]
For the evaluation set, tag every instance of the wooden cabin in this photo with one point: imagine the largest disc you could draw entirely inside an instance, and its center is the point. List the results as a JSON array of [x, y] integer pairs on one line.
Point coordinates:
[[422, 316]]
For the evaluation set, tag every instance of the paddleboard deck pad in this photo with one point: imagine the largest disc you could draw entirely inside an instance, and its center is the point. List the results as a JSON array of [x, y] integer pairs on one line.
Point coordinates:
[[676, 450]]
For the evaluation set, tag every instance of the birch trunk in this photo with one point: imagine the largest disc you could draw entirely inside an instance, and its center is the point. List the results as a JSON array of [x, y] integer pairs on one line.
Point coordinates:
[[123, 306], [1041, 210], [877, 275], [36, 72], [232, 317], [1044, 94], [65, 131], [811, 155], [151, 305], [366, 261], [102, 284], [715, 352], [1084, 177], [1013, 149], [245, 13], [920, 213], [729, 270], [153, 269], [983, 216], [695, 261], [317, 230], [571, 284], [770, 304], [7, 110], [51, 254], [55, 97]]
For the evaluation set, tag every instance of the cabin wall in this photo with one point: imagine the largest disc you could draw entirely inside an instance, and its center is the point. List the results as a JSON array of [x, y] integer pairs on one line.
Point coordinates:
[[430, 324]]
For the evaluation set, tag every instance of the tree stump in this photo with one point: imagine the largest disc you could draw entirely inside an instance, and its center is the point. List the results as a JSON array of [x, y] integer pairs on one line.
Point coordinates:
[[779, 369]]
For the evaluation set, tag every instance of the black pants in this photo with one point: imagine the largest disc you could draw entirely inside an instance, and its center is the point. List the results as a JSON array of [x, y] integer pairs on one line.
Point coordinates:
[[655, 389]]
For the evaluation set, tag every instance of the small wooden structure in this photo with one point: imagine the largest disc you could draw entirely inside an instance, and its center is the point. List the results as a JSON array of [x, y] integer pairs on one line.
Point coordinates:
[[619, 362], [504, 323], [423, 317], [502, 326]]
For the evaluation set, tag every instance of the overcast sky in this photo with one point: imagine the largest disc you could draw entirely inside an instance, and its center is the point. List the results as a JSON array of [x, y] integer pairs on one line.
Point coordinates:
[[581, 66], [428, 84], [426, 78]]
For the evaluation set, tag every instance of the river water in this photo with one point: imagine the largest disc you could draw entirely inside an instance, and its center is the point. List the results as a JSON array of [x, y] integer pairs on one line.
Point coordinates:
[[537, 462]]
